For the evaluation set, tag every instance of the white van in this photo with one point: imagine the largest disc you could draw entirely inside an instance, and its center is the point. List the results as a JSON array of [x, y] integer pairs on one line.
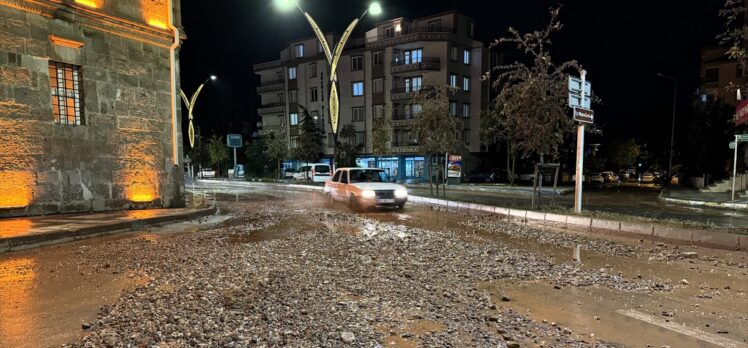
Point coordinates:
[[315, 172]]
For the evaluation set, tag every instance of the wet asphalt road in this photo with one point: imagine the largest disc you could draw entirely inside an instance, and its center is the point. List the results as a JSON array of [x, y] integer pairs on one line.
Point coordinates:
[[49, 292]]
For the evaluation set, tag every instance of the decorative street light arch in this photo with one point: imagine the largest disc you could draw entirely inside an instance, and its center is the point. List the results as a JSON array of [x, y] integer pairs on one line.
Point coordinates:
[[190, 102]]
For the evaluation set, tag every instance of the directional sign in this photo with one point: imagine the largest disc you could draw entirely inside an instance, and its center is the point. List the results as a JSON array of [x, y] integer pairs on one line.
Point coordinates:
[[576, 100], [234, 140], [584, 115], [742, 137], [732, 145]]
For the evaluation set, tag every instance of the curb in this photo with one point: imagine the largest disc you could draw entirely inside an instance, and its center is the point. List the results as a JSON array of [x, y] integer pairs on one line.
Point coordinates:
[[69, 235], [736, 206]]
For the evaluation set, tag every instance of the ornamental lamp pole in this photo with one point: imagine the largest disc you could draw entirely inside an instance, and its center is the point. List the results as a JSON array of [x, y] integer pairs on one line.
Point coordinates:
[[333, 56], [190, 102]]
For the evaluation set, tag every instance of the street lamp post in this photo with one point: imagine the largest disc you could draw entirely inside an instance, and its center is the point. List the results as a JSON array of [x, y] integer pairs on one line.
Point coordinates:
[[672, 126], [190, 102], [333, 57]]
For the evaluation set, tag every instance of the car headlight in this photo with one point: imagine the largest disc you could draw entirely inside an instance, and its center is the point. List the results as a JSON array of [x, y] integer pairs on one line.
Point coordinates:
[[368, 194], [401, 193]]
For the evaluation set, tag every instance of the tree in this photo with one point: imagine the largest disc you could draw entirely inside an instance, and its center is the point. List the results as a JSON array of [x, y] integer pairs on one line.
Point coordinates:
[[309, 140], [531, 107], [436, 130], [347, 148], [733, 36], [381, 133], [218, 152], [257, 160], [625, 154], [276, 149]]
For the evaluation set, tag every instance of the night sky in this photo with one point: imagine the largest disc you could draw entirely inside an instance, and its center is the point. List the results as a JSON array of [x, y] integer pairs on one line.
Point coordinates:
[[622, 44]]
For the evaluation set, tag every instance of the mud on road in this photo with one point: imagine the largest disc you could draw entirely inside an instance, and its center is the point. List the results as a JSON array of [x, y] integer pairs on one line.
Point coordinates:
[[283, 269]]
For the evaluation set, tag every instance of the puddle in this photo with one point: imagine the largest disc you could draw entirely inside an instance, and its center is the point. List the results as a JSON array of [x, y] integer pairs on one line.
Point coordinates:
[[406, 334]]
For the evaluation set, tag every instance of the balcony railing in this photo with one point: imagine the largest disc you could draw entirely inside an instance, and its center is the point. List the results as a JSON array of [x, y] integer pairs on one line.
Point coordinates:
[[271, 108], [409, 31], [426, 63], [272, 85], [273, 82]]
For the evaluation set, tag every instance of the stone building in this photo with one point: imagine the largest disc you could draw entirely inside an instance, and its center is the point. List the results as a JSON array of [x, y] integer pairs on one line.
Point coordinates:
[[88, 109], [380, 70]]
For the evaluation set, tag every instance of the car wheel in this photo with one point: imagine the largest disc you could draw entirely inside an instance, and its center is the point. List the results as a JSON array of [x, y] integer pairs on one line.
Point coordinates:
[[399, 207]]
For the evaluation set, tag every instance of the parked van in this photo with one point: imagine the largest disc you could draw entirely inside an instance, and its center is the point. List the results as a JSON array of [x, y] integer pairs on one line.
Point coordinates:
[[315, 172]]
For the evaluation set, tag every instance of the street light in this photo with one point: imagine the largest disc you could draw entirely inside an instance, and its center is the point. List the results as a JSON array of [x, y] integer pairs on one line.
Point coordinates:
[[191, 105], [333, 57], [672, 127]]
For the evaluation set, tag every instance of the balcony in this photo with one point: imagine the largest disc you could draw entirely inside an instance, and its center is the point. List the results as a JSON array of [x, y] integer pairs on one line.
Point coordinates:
[[272, 85], [272, 108], [426, 63], [410, 35], [401, 93]]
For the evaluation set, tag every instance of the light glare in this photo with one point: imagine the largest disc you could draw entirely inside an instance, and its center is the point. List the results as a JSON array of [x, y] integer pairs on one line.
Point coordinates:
[[285, 5], [375, 8]]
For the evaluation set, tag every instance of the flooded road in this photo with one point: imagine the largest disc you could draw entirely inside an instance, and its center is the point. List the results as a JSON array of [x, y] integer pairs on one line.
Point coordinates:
[[281, 268]]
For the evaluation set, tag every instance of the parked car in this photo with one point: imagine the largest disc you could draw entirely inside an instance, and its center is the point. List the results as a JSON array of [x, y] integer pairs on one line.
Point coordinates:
[[610, 176], [316, 172], [480, 177], [365, 188], [288, 173], [596, 178], [206, 173], [647, 178], [623, 175]]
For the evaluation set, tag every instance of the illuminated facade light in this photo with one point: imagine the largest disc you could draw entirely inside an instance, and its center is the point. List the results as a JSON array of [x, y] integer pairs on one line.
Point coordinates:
[[157, 23], [88, 3]]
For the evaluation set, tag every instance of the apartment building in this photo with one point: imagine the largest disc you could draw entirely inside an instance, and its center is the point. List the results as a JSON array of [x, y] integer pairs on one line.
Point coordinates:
[[380, 70]]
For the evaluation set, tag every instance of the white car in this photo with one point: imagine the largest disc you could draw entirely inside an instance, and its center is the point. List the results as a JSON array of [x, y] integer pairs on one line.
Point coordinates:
[[365, 188], [206, 173], [648, 178], [316, 172]]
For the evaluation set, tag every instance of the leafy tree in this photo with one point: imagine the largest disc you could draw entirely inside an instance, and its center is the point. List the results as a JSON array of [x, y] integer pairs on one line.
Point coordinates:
[[257, 160], [492, 129], [381, 133], [735, 27], [531, 107], [218, 152], [276, 149], [347, 149], [437, 131], [309, 140], [624, 154]]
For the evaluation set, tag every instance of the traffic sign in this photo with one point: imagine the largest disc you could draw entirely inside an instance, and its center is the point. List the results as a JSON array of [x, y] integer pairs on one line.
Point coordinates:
[[741, 137], [584, 115], [576, 98], [234, 140]]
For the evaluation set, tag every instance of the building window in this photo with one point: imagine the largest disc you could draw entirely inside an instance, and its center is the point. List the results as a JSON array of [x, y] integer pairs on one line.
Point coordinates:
[[359, 138], [453, 80], [357, 63], [466, 136], [453, 53], [435, 25], [466, 56], [453, 108], [378, 58], [413, 56], [294, 142], [312, 70], [711, 75], [377, 85], [299, 50], [466, 83], [466, 110], [65, 83], [470, 28], [293, 96], [377, 111], [293, 119], [413, 84], [358, 114], [281, 98], [389, 32], [412, 110], [313, 95], [358, 88], [292, 73], [320, 48]]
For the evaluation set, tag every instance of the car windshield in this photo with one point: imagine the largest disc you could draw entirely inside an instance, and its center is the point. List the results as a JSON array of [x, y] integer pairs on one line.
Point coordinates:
[[368, 175]]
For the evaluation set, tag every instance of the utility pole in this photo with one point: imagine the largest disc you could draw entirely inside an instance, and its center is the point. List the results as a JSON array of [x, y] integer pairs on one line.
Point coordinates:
[[580, 156]]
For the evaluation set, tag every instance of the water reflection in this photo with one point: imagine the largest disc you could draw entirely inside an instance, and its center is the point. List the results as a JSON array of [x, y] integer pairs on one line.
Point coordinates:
[[14, 227], [16, 282]]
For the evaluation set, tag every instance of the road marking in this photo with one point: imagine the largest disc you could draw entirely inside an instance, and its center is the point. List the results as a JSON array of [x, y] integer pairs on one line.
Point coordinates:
[[695, 333]]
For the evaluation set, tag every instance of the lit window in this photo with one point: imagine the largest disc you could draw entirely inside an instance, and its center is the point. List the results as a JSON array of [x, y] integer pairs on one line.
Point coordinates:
[[466, 57], [294, 119], [453, 108], [453, 80], [466, 83], [357, 63], [299, 50], [358, 114], [358, 89], [466, 110], [413, 56], [313, 95], [65, 83], [292, 73], [412, 84]]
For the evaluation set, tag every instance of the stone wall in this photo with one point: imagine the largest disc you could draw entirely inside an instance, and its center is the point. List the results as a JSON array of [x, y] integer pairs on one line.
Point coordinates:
[[121, 156]]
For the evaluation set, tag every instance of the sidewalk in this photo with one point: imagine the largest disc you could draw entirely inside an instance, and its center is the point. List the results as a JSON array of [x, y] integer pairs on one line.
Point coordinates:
[[501, 188], [694, 197], [24, 233]]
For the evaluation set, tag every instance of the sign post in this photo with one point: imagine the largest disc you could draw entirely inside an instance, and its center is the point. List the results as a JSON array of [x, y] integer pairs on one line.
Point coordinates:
[[580, 92], [738, 138], [234, 141]]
